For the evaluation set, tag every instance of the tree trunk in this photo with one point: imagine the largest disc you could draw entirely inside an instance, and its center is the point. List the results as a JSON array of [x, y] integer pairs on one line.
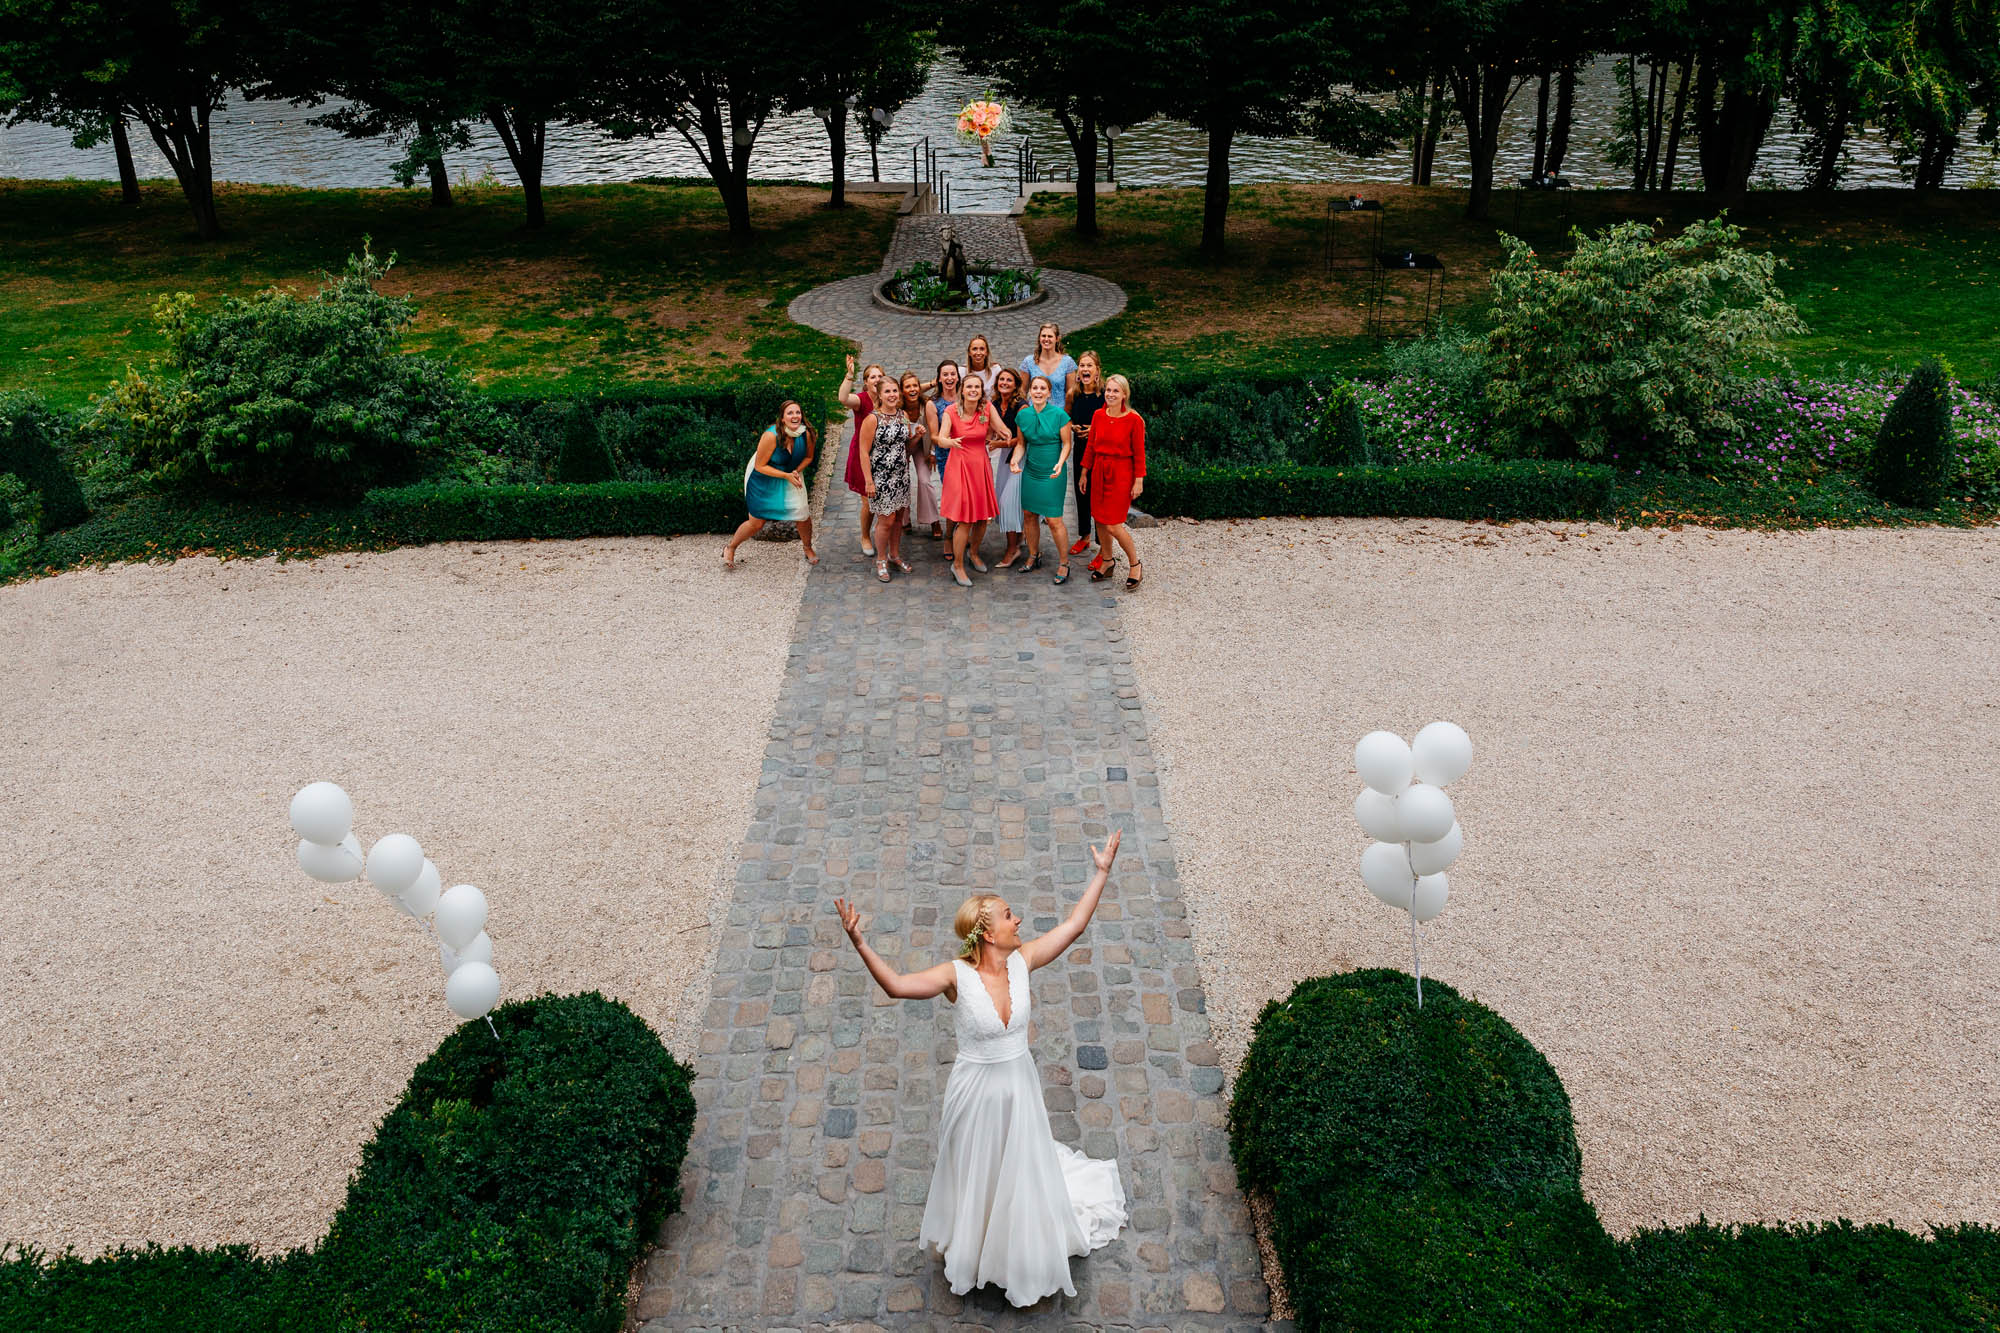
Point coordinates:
[[1826, 169], [1731, 133], [836, 133], [1082, 142], [434, 167], [1417, 135], [1674, 132], [1565, 118], [526, 138], [1482, 93], [128, 175], [1656, 113], [1541, 126], [1629, 72], [1934, 154], [1215, 187], [1434, 129], [181, 134], [874, 156]]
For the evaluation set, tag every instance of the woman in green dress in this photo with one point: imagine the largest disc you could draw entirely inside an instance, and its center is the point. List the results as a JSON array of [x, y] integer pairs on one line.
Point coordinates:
[[774, 485], [1045, 429]]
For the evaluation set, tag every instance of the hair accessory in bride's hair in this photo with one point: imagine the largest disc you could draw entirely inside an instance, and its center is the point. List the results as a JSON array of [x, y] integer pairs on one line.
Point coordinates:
[[972, 938]]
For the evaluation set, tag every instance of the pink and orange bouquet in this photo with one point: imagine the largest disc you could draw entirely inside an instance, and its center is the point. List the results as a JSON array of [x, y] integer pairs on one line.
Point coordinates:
[[981, 120]]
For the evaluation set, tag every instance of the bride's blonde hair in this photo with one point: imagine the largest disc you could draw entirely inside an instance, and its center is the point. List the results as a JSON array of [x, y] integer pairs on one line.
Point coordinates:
[[971, 921]]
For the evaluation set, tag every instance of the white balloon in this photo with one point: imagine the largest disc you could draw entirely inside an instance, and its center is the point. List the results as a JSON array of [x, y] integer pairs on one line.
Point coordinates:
[[421, 898], [1442, 753], [1428, 858], [394, 863], [1385, 869], [1383, 760], [1427, 900], [322, 813], [471, 990], [1376, 814], [331, 865], [1425, 813], [461, 915], [479, 951]]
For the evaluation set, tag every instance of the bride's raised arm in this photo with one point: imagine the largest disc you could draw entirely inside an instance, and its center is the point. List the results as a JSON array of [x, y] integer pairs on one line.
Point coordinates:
[[904, 986], [1045, 949]]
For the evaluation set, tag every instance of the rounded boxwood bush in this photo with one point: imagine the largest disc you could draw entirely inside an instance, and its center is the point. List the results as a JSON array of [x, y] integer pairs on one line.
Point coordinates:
[[1346, 1079], [31, 435], [1913, 461]]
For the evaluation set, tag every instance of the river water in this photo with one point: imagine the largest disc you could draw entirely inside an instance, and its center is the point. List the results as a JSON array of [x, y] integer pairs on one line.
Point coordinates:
[[276, 143]]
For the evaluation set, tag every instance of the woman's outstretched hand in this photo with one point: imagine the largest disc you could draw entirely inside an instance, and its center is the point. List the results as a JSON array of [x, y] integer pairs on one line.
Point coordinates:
[[850, 919], [1110, 853]]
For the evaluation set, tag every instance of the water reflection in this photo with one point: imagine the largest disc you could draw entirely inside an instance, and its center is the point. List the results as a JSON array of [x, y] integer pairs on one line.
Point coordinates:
[[274, 143]]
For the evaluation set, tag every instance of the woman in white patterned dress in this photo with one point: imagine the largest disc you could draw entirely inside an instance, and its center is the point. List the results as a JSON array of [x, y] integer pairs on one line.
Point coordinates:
[[886, 437], [1008, 1204]]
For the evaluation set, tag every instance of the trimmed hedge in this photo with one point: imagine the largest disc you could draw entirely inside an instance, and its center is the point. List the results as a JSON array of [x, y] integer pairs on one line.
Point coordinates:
[[512, 1188], [1914, 461], [454, 511], [1423, 1169], [1508, 490]]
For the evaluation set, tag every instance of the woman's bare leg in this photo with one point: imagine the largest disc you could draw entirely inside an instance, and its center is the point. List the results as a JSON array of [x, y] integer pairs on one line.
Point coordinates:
[[805, 526], [1031, 535], [972, 542], [1059, 533], [1122, 534], [959, 532], [888, 534], [750, 528]]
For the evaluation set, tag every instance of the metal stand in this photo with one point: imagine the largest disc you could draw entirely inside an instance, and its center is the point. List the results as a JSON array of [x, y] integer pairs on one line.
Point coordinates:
[[1360, 219], [1431, 271]]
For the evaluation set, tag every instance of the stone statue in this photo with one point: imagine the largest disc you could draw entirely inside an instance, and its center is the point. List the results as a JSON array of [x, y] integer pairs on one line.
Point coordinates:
[[952, 265]]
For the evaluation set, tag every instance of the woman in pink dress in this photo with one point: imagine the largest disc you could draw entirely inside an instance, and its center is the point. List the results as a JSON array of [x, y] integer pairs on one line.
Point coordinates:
[[926, 488], [861, 404], [968, 428]]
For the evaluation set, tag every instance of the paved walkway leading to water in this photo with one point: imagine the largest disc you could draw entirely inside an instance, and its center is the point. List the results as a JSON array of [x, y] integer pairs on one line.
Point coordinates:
[[930, 741]]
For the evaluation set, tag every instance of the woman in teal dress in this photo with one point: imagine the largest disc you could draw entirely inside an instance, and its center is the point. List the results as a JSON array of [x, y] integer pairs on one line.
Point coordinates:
[[774, 485], [1045, 430]]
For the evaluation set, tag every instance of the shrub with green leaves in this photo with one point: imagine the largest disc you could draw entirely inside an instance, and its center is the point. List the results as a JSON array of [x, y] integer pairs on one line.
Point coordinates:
[[512, 1187], [1914, 461], [1633, 345], [281, 395]]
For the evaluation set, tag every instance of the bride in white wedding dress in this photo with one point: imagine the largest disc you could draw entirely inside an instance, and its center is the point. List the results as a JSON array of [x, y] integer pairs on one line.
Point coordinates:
[[1008, 1204]]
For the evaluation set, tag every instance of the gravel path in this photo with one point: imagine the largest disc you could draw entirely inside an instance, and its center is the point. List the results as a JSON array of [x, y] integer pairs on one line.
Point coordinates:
[[1731, 827], [199, 1039]]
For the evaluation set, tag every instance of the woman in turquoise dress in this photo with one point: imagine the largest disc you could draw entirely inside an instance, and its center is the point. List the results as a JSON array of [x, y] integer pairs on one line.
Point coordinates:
[[774, 485], [1046, 431]]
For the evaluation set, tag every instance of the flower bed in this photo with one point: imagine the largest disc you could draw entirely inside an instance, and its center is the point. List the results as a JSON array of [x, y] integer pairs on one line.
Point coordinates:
[[922, 286]]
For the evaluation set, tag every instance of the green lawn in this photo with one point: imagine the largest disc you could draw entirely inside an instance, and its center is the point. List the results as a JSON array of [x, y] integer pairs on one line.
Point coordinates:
[[1881, 276], [626, 282]]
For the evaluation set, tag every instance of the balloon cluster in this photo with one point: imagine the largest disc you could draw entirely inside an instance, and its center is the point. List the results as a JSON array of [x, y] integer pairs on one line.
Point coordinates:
[[1404, 808], [323, 817]]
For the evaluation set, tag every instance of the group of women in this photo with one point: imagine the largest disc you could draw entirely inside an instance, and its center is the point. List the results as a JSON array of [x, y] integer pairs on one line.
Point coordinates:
[[976, 446]]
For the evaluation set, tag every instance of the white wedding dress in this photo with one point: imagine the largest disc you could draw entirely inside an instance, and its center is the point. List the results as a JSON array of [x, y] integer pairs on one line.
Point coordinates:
[[1008, 1204]]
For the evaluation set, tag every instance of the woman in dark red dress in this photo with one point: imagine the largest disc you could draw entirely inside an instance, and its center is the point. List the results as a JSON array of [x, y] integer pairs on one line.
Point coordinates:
[[1114, 460], [861, 404]]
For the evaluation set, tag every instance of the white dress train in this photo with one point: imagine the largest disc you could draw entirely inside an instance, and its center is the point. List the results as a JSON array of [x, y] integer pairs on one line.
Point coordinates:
[[1008, 1204]]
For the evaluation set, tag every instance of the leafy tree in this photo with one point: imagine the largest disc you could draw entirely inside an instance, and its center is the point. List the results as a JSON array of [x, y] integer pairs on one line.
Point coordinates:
[[1632, 345], [168, 64], [892, 74], [530, 64], [1057, 57], [405, 82], [865, 49], [1262, 67]]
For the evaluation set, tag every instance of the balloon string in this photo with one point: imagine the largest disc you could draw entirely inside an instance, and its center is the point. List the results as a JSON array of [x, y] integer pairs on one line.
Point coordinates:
[[1415, 951], [490, 1028]]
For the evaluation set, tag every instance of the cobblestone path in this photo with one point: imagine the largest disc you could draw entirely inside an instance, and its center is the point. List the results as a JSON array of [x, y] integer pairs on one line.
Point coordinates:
[[930, 741]]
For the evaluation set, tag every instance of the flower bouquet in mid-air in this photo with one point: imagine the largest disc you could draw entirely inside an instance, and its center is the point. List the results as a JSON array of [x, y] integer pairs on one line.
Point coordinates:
[[981, 120]]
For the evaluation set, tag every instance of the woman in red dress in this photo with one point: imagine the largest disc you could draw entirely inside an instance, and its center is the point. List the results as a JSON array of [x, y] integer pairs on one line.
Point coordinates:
[[861, 404], [1114, 461], [968, 427]]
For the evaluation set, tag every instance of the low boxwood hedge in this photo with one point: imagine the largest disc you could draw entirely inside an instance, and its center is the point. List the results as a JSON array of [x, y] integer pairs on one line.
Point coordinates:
[[1509, 490], [1423, 1169], [512, 1188], [454, 511]]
